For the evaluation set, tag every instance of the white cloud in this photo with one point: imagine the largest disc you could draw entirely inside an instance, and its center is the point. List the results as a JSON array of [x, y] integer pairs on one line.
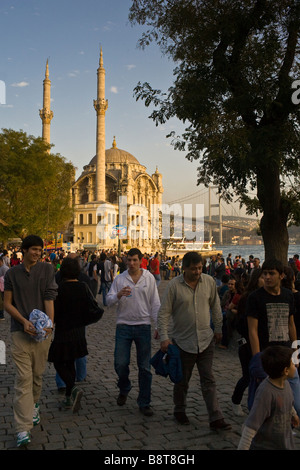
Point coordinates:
[[114, 89], [74, 73], [20, 84], [130, 66], [108, 26]]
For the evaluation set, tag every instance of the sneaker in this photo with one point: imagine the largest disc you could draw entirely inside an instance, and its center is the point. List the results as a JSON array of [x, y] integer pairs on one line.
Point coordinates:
[[237, 410], [181, 417], [219, 425], [121, 400], [36, 414], [76, 396], [146, 410], [23, 438], [66, 404]]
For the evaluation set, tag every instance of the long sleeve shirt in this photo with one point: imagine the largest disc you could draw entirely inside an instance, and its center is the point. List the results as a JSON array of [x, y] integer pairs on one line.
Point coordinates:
[[142, 305], [191, 312], [268, 425]]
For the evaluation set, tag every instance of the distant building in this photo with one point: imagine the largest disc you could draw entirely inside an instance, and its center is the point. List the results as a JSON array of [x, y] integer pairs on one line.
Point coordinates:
[[114, 197]]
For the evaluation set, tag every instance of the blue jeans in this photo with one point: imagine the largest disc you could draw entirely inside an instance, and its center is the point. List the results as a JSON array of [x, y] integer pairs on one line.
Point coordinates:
[[80, 366], [141, 335], [295, 386], [104, 288], [157, 278]]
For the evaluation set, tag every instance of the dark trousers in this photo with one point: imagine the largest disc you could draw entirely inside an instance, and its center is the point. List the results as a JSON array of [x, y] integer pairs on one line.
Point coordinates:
[[67, 372], [245, 357], [204, 362]]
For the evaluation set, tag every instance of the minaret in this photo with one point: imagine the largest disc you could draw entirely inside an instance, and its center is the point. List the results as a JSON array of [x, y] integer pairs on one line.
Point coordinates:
[[46, 114], [100, 105]]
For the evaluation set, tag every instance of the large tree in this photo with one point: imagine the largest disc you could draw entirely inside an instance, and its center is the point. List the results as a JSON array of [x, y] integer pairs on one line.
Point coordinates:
[[236, 69], [35, 187]]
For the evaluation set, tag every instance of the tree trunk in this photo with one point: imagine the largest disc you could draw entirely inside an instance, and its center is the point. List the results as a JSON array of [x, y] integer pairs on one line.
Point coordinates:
[[275, 235], [273, 223]]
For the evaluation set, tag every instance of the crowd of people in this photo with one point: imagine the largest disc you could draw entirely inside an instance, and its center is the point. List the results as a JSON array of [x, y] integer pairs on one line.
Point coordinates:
[[204, 303]]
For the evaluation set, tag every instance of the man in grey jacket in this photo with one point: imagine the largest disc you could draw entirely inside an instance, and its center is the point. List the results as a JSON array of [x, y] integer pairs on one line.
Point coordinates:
[[192, 301]]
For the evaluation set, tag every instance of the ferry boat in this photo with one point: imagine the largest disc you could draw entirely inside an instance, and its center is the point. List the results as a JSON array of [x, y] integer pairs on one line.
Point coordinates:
[[179, 248]]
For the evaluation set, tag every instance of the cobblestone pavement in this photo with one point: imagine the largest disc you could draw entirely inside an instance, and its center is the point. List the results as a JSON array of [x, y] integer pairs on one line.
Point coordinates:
[[103, 425]]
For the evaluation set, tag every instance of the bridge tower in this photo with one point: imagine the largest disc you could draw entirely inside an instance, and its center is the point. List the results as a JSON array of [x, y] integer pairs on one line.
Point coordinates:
[[210, 206]]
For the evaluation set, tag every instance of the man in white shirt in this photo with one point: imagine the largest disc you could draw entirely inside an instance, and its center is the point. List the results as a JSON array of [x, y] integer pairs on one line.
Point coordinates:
[[138, 301]]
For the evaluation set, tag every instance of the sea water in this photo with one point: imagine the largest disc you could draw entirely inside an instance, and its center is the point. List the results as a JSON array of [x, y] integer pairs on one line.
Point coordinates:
[[258, 251]]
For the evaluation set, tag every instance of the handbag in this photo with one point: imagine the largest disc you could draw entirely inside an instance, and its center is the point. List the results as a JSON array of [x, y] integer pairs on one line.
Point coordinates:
[[93, 313]]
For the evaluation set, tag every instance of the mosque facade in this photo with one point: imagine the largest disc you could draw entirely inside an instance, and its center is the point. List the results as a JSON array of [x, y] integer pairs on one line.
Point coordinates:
[[116, 202]]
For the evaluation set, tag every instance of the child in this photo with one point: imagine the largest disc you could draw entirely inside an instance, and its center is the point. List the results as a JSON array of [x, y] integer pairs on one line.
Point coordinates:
[[269, 423]]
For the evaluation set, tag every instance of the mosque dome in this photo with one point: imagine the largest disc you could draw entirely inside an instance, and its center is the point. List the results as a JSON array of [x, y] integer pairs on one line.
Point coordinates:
[[115, 155]]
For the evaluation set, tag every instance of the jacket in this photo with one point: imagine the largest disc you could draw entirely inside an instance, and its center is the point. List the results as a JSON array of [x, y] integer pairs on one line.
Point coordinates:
[[170, 366]]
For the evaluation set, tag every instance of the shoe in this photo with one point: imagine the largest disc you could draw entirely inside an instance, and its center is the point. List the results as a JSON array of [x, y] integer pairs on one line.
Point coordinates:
[[23, 438], [66, 404], [36, 414], [237, 410], [181, 417], [76, 396], [219, 425], [121, 400], [146, 410]]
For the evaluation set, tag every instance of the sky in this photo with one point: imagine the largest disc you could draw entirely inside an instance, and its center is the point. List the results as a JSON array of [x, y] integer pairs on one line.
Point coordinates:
[[69, 33]]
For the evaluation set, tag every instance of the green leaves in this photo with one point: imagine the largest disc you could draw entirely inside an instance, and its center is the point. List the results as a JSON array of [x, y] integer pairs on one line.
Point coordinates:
[[35, 186], [234, 64]]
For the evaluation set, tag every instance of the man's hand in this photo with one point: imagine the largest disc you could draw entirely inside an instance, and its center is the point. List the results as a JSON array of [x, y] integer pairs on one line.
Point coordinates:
[[164, 345], [48, 331], [125, 292], [156, 334], [218, 337], [29, 328], [295, 421]]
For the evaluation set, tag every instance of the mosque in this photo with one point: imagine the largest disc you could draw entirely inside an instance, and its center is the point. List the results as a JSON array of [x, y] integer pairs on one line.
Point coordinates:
[[116, 202]]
